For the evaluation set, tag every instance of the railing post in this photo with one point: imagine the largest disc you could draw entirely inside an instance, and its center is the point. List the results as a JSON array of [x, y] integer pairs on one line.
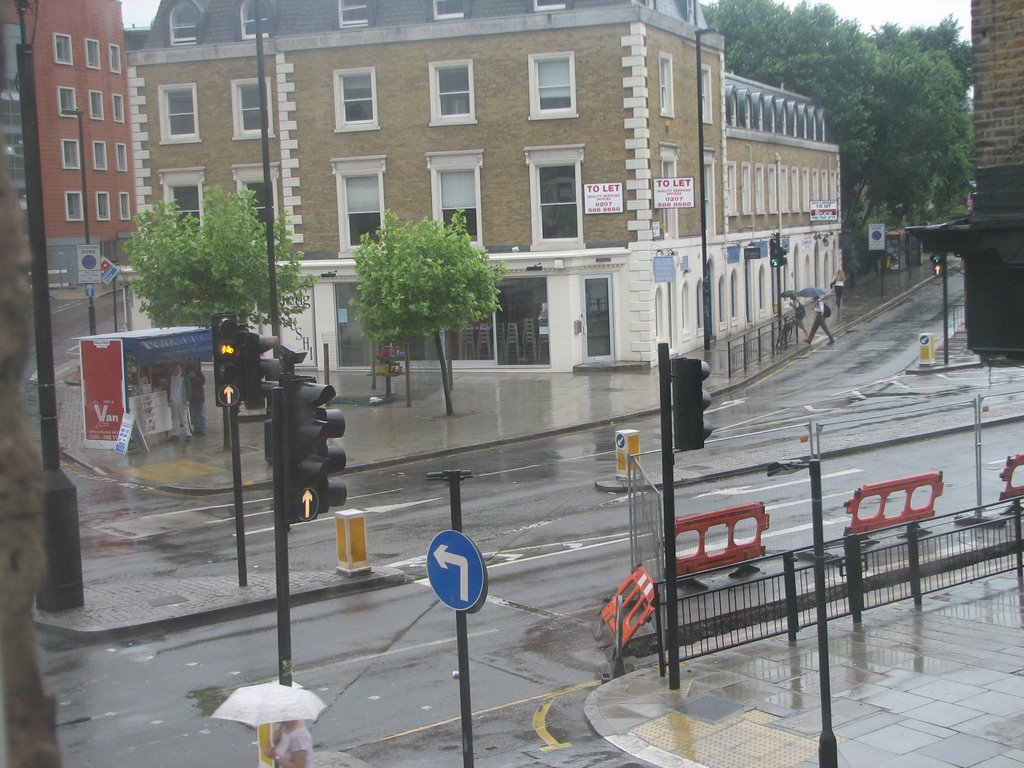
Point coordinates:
[[914, 556], [854, 577], [1017, 537], [792, 609]]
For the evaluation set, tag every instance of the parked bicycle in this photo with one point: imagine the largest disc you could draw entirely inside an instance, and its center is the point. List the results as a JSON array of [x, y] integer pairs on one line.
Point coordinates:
[[787, 333]]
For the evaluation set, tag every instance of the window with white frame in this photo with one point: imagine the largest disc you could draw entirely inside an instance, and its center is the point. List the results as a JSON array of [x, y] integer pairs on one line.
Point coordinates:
[[449, 9], [184, 24], [103, 206], [96, 105], [99, 155], [179, 119], [549, 5], [117, 107], [70, 158], [184, 188], [73, 206], [707, 95], [759, 188], [455, 186], [247, 16], [794, 199], [121, 157], [669, 216], [731, 189], [355, 99], [805, 184], [250, 176], [665, 89], [557, 215], [353, 13], [114, 57], [833, 185], [66, 101], [816, 185], [783, 189], [92, 53], [124, 206], [709, 191], [745, 190], [360, 183], [62, 53], [552, 85], [245, 108], [451, 93], [773, 189]]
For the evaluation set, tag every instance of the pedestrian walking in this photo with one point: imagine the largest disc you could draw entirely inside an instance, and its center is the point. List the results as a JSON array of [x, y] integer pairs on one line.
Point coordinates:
[[197, 401], [799, 313], [839, 285], [292, 747], [821, 311], [178, 397]]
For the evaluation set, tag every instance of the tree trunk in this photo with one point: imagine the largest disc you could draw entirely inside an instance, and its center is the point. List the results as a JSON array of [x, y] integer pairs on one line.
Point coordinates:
[[439, 343]]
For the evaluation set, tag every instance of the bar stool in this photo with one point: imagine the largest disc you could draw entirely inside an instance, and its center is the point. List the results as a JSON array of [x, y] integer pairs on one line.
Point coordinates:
[[529, 340], [468, 346], [512, 343], [483, 343]]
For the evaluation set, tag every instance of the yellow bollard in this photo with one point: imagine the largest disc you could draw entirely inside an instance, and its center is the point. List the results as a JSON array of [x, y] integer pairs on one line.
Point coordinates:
[[352, 553], [264, 734]]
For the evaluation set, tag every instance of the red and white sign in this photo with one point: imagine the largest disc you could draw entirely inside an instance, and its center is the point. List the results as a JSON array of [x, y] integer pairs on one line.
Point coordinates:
[[674, 193], [602, 198], [824, 210], [102, 390]]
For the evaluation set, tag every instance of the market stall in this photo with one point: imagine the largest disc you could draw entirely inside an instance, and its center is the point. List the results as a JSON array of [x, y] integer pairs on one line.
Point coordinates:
[[128, 373]]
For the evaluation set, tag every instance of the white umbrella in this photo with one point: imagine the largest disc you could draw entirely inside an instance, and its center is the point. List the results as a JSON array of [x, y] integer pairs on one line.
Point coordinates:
[[270, 703]]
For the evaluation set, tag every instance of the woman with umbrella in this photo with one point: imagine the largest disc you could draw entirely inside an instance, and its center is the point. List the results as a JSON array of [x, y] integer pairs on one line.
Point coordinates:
[[293, 745]]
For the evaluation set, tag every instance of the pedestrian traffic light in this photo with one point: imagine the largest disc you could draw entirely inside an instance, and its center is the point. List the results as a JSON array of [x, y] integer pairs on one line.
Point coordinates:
[[690, 400], [256, 369], [311, 460], [777, 251], [227, 359], [938, 263]]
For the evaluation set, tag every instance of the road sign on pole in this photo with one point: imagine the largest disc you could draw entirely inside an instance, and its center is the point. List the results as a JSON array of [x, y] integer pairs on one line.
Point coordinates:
[[456, 571]]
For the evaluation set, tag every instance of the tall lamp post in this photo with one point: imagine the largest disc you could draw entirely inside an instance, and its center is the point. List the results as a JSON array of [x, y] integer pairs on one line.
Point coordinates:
[[62, 585], [705, 268], [77, 113], [828, 755]]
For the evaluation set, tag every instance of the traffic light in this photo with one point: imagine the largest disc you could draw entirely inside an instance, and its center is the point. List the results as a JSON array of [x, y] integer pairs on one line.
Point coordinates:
[[938, 263], [690, 400], [256, 368], [309, 488], [777, 251], [227, 359]]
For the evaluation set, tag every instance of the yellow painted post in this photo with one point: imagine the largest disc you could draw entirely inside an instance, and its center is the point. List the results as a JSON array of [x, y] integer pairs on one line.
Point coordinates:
[[353, 557], [264, 734], [627, 443]]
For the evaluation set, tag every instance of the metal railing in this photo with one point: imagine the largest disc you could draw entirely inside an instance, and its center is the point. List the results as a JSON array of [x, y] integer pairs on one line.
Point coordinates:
[[760, 343]]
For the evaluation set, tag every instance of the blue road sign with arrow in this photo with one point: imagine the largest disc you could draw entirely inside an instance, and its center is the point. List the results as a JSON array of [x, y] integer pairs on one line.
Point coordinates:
[[456, 571]]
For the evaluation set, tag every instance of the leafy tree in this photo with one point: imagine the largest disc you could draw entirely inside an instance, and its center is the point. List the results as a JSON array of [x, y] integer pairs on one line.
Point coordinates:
[[423, 279], [189, 269]]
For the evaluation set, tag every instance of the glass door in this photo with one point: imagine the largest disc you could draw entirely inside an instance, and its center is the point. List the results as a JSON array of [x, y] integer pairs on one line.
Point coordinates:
[[597, 319]]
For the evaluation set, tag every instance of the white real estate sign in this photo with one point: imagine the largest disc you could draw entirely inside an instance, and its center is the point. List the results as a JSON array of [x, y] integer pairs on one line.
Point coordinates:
[[674, 193]]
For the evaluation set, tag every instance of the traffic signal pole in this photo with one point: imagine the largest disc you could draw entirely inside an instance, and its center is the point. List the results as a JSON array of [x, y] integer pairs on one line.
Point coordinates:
[[236, 482], [668, 505], [284, 620]]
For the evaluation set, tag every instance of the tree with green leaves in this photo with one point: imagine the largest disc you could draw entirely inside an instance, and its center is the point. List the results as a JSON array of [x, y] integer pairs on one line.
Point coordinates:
[[422, 279], [187, 269], [896, 103]]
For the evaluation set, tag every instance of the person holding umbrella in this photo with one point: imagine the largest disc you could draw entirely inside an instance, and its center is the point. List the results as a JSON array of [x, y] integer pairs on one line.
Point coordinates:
[[292, 747], [821, 311]]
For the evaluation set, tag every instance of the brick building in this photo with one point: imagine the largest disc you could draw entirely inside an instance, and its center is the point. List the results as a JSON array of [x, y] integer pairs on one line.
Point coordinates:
[[82, 100], [567, 130]]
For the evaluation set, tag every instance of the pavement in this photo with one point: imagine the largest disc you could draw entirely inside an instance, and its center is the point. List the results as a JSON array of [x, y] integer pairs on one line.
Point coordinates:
[[940, 686]]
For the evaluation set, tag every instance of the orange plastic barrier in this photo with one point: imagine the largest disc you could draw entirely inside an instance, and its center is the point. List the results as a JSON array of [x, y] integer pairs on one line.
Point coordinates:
[[1011, 491], [884, 491], [637, 604], [700, 559]]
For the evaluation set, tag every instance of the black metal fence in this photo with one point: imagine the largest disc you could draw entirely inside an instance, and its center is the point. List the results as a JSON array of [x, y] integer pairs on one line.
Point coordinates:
[[775, 595]]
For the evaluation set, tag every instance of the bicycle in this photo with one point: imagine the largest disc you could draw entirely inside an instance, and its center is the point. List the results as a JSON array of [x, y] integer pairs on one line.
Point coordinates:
[[787, 333]]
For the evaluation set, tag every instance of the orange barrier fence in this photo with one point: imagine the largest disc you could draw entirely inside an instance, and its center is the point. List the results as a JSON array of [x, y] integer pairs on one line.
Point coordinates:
[[885, 491], [1011, 491], [638, 603], [701, 559]]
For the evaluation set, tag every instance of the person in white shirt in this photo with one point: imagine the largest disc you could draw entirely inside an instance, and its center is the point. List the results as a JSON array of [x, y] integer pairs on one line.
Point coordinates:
[[819, 321]]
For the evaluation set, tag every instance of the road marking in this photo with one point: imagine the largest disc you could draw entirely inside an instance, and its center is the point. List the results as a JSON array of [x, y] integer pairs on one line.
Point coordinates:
[[742, 489]]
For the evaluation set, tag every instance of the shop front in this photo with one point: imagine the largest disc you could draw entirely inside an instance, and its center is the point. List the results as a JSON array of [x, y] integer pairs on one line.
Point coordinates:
[[128, 373]]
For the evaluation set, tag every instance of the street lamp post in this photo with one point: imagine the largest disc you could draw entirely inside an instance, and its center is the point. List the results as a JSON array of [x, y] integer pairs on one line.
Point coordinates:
[[77, 113], [704, 266], [828, 756]]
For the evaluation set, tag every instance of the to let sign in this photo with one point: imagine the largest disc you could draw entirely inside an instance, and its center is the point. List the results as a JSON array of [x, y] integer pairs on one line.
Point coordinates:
[[602, 198], [673, 193], [824, 210]]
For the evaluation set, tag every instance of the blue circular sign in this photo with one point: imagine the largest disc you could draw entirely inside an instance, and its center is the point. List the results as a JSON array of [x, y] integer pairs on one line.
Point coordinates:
[[620, 441], [456, 571], [89, 261]]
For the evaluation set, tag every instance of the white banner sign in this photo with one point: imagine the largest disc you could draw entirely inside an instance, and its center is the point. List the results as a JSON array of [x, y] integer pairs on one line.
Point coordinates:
[[824, 210], [602, 198], [674, 193]]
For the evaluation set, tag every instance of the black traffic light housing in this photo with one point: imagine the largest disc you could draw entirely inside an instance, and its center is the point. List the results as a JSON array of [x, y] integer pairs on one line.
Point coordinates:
[[227, 359], [256, 368], [938, 263], [777, 251], [310, 460], [690, 400]]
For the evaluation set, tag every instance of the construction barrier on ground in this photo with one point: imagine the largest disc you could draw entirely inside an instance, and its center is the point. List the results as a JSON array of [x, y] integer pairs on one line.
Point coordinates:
[[1012, 491], [884, 492], [734, 552], [638, 603]]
